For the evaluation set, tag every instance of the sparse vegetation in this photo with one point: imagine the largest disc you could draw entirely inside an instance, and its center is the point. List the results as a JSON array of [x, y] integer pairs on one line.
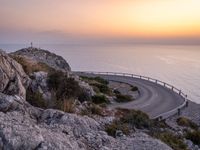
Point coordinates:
[[102, 88], [35, 98], [92, 109], [100, 99], [123, 98], [116, 92], [128, 120], [64, 91], [136, 118], [183, 121], [64, 86], [115, 126], [134, 88], [194, 136], [99, 84], [170, 139], [97, 79], [30, 66]]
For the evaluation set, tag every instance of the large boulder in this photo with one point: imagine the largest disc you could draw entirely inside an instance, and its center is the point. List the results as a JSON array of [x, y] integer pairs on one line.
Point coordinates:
[[44, 56], [13, 79]]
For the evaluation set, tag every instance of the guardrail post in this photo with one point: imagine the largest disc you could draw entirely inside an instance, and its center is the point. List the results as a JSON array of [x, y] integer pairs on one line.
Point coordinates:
[[172, 88], [179, 111], [179, 92], [187, 103], [156, 81], [164, 84], [148, 78], [140, 77]]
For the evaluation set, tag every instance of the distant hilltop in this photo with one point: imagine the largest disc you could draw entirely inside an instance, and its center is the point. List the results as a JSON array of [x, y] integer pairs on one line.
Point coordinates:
[[44, 56]]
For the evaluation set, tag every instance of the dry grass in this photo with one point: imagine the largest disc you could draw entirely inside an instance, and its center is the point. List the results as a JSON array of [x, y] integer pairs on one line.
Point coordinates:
[[30, 66]]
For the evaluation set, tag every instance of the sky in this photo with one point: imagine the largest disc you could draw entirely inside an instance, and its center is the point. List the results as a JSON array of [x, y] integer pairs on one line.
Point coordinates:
[[79, 21]]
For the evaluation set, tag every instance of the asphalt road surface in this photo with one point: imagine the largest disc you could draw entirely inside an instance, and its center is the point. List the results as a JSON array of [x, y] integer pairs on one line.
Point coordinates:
[[154, 99]]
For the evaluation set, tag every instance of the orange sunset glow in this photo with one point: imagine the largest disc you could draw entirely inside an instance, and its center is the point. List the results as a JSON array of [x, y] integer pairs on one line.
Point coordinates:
[[106, 18]]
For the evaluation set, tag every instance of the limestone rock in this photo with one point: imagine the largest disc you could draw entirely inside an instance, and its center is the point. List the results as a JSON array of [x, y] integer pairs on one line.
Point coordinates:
[[23, 126], [13, 79], [39, 84], [44, 56]]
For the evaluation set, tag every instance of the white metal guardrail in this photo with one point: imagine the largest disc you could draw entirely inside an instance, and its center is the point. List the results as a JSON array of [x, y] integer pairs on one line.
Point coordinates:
[[164, 115]]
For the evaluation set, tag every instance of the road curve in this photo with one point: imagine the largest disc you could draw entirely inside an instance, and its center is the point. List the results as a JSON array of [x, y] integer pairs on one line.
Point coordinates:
[[154, 99]]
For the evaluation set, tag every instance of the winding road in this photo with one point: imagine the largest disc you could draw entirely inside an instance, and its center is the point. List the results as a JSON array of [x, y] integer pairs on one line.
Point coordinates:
[[154, 99]]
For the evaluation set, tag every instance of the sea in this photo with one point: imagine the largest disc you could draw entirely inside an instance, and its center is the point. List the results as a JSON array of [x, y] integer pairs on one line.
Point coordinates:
[[178, 65]]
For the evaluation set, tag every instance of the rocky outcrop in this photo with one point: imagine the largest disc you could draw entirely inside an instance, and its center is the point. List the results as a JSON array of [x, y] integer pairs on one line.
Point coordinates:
[[39, 84], [44, 56], [13, 79], [25, 127]]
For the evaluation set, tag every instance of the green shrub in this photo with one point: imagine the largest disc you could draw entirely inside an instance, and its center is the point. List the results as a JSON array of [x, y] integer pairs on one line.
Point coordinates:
[[170, 139], [102, 88], [55, 79], [95, 109], [101, 80], [116, 92], [183, 121], [64, 86], [136, 118], [35, 98], [97, 79], [123, 98], [116, 125], [99, 84], [84, 96], [194, 136], [134, 88], [65, 90], [92, 109], [99, 99]]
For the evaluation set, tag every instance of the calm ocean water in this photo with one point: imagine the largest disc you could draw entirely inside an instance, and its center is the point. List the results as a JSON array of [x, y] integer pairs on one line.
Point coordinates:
[[177, 65]]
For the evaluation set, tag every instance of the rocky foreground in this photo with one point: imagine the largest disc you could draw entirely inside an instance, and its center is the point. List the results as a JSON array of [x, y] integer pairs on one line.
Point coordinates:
[[25, 127]]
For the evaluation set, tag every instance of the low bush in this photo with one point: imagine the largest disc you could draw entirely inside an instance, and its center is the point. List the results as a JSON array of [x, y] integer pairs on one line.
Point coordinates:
[[101, 80], [116, 92], [116, 126], [97, 79], [170, 139], [194, 136], [136, 118], [100, 99], [35, 98], [134, 88], [102, 88], [183, 121], [123, 98], [64, 91], [99, 84], [92, 109], [64, 86]]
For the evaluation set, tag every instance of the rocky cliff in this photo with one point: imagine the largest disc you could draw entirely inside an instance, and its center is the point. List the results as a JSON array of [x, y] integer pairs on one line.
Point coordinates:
[[24, 127], [13, 79]]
